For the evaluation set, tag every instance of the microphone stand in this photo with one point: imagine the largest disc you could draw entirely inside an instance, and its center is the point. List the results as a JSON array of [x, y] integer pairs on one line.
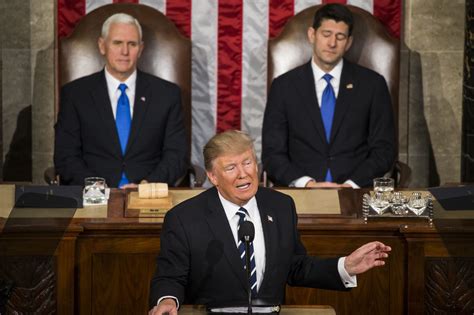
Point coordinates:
[[247, 267]]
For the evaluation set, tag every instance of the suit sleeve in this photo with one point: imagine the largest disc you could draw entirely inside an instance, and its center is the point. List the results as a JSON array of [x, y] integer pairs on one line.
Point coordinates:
[[174, 159], [313, 272], [275, 138], [172, 270], [68, 144], [381, 139]]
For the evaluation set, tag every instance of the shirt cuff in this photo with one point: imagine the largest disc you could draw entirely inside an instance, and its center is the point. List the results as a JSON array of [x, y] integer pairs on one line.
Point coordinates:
[[350, 182], [349, 281], [300, 182], [169, 297]]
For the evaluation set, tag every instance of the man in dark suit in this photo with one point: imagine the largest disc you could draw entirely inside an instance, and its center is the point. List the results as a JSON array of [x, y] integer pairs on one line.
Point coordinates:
[[120, 123], [329, 122], [200, 260]]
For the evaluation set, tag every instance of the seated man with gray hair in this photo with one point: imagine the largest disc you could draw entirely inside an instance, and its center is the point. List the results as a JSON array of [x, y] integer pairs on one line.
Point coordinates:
[[201, 259], [120, 123]]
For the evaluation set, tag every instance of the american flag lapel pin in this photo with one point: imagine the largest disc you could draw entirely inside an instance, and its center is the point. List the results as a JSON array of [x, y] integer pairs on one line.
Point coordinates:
[[143, 98], [349, 86], [270, 218]]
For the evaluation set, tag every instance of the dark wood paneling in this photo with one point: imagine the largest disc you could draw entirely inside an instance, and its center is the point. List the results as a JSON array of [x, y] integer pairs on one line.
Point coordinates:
[[110, 286], [115, 271]]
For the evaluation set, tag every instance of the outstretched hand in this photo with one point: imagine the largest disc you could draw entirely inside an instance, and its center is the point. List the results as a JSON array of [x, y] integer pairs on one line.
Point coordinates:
[[366, 257]]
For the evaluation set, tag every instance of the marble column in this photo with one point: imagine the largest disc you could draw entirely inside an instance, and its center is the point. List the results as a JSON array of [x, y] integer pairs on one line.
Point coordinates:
[[467, 160], [16, 90]]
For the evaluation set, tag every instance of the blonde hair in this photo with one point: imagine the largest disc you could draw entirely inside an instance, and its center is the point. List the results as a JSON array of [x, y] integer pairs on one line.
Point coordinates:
[[228, 142], [122, 18]]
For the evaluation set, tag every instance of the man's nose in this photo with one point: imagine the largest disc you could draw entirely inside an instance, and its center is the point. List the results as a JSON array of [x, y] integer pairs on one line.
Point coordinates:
[[242, 173], [332, 41], [125, 49]]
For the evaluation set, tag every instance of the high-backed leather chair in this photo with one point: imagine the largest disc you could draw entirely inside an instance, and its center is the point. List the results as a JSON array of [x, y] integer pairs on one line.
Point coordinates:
[[167, 53], [372, 47]]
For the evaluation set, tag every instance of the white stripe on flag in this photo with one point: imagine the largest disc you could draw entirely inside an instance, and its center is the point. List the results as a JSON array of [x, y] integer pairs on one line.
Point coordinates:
[[159, 5], [91, 5], [300, 5], [204, 75], [254, 69], [367, 5]]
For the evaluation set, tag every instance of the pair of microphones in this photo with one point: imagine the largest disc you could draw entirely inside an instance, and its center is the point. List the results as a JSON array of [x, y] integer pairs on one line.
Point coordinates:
[[246, 234]]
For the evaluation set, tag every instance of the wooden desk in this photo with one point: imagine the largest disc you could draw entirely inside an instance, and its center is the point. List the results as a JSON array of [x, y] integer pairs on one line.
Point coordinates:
[[104, 265], [285, 310]]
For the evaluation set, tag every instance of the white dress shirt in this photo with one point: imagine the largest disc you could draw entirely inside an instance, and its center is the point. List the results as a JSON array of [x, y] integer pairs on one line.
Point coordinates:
[[114, 92], [320, 85]]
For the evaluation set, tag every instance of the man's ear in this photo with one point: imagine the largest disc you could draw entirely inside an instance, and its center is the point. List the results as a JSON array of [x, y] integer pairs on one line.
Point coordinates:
[[142, 46], [101, 44], [349, 43], [212, 177], [311, 32]]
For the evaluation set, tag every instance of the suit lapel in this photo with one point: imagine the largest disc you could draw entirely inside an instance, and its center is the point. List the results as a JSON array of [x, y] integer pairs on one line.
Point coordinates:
[[270, 234], [101, 100], [140, 107], [344, 97], [306, 87], [219, 226]]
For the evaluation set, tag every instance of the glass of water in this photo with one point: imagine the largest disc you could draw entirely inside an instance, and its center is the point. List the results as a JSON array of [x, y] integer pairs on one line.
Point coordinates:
[[385, 186], [94, 190]]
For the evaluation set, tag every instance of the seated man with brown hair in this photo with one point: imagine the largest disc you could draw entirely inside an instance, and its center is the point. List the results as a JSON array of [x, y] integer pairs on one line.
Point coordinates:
[[329, 122], [120, 123]]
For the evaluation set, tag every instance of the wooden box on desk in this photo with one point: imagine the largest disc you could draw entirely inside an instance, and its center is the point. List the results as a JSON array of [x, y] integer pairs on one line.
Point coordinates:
[[157, 207]]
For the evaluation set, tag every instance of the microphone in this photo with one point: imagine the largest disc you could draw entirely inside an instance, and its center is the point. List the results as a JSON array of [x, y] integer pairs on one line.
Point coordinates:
[[246, 234]]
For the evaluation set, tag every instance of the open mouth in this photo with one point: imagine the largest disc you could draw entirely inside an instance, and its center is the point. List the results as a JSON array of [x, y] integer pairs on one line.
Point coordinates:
[[243, 186]]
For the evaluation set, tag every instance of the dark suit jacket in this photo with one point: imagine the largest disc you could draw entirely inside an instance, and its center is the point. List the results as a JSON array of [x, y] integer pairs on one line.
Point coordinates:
[[87, 142], [362, 142], [199, 262]]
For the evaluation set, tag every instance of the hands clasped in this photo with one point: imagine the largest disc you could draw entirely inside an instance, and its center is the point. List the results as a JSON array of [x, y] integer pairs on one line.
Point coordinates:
[[166, 306]]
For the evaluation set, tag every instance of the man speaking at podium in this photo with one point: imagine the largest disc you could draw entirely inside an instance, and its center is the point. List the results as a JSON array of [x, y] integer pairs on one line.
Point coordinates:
[[120, 123], [201, 260]]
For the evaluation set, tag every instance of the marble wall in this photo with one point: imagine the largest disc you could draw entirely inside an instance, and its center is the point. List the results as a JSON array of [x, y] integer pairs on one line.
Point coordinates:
[[430, 85], [431, 90]]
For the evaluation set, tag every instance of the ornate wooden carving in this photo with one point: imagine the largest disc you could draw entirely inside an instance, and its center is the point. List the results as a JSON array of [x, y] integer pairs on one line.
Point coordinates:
[[449, 286], [34, 284]]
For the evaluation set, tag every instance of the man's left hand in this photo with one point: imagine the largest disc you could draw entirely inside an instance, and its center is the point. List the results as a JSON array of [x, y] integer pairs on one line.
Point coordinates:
[[366, 257]]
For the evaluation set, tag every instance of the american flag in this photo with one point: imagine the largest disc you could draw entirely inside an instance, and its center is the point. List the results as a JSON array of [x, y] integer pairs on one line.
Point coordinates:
[[229, 53]]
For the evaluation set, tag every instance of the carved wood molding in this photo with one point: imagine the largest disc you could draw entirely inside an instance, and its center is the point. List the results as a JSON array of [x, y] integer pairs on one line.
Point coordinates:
[[449, 285], [34, 284]]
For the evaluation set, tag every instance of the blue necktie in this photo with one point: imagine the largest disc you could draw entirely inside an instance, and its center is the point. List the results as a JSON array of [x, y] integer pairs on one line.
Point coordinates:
[[328, 103], [123, 121], [242, 213]]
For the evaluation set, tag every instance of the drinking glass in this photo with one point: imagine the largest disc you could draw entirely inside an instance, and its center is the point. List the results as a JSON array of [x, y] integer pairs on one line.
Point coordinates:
[[385, 186], [94, 190]]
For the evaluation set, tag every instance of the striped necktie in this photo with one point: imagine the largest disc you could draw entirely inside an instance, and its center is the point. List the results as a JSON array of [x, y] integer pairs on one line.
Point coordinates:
[[242, 213], [328, 103], [123, 121]]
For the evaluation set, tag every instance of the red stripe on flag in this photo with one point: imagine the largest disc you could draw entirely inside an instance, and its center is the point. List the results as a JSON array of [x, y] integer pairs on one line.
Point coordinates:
[[389, 12], [179, 11], [229, 64], [279, 13], [69, 13], [125, 1]]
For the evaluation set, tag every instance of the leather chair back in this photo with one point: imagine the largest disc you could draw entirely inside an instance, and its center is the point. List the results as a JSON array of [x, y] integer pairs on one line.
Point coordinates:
[[167, 53], [372, 47]]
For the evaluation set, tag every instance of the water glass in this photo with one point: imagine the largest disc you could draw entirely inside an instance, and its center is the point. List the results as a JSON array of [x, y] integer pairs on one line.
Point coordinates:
[[94, 190], [384, 186]]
